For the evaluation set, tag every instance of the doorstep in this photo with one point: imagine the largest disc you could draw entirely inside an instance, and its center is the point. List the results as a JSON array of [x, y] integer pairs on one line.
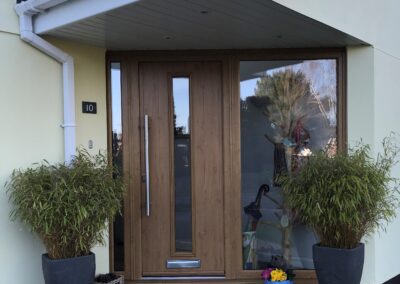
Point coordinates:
[[242, 281]]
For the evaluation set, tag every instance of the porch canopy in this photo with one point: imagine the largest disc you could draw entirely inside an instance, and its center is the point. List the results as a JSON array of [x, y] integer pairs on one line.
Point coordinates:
[[186, 24]]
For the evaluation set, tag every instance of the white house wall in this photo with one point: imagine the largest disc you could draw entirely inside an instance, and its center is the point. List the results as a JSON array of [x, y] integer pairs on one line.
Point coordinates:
[[30, 118], [373, 112], [373, 100], [90, 86], [355, 17], [360, 94], [373, 21], [30, 111], [361, 116], [8, 19], [387, 102]]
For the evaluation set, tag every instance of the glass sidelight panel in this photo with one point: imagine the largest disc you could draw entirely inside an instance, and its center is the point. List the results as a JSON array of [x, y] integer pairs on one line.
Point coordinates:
[[182, 164], [116, 139], [288, 110]]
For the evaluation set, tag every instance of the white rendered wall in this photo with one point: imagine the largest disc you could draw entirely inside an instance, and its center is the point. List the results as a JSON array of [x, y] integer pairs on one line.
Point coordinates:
[[387, 118], [30, 117], [361, 116], [90, 85], [373, 112], [352, 17], [374, 21]]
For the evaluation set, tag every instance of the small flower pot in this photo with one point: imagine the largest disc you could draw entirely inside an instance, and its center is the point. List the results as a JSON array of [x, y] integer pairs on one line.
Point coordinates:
[[278, 282], [119, 280]]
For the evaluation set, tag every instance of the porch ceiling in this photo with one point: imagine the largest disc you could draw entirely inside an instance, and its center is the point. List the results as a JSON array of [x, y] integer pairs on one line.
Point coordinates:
[[197, 24]]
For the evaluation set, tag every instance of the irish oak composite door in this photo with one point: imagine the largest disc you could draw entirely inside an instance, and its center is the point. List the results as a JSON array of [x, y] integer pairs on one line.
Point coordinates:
[[182, 206]]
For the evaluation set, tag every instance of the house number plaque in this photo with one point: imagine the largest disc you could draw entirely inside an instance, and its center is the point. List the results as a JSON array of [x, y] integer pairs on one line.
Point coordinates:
[[89, 107]]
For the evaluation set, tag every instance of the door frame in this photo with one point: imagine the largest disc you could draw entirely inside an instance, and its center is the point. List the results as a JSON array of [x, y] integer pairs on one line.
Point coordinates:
[[230, 61]]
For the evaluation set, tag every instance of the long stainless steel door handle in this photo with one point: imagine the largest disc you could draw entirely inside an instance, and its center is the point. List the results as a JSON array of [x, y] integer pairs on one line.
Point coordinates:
[[146, 149]]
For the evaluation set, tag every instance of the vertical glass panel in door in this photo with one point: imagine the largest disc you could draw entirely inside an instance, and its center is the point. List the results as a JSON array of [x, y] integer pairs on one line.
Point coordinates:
[[116, 139], [288, 111], [182, 164]]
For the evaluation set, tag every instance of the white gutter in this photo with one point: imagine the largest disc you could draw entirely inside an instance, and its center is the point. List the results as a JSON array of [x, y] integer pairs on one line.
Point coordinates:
[[25, 11]]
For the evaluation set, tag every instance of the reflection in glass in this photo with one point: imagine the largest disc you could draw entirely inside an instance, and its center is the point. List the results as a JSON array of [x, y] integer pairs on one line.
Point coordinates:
[[288, 110], [116, 125], [182, 164]]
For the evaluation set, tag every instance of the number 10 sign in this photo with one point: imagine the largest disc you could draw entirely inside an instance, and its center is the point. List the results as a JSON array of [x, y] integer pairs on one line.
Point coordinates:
[[89, 107]]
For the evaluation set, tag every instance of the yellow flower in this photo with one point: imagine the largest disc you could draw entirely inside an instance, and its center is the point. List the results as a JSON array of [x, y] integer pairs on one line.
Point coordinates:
[[278, 275]]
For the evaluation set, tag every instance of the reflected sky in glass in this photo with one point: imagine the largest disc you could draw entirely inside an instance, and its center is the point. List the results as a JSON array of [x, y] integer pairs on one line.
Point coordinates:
[[116, 98], [181, 103]]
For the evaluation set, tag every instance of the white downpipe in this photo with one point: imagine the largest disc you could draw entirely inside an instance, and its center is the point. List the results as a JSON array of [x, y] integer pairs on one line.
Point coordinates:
[[25, 11]]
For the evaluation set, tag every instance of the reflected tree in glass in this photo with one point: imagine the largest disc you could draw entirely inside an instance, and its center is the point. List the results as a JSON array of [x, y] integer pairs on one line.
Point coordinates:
[[293, 108], [286, 99]]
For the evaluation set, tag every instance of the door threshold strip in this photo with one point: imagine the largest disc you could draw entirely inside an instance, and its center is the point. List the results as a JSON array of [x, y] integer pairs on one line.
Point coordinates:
[[183, 278]]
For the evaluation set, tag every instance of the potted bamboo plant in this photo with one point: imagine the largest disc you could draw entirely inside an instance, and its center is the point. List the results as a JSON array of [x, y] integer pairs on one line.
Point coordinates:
[[68, 207], [344, 198]]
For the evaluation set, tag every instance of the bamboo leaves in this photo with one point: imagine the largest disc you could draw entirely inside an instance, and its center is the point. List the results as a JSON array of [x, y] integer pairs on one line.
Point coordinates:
[[346, 196], [67, 206]]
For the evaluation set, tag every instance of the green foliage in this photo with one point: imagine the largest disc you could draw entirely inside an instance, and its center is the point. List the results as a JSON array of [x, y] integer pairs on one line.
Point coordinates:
[[288, 96], [347, 196], [68, 206]]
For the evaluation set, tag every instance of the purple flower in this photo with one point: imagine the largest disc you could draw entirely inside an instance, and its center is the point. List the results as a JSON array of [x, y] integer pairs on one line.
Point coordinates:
[[266, 273]]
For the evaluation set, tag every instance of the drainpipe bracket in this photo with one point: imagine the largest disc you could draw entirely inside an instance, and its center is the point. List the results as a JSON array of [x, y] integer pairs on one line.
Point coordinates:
[[66, 125]]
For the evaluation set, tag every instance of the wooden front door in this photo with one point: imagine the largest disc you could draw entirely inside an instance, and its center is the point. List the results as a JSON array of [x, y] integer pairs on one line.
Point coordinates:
[[182, 225]]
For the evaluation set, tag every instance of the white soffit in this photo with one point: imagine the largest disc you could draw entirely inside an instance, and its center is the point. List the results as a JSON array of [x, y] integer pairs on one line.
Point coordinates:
[[187, 24], [72, 11]]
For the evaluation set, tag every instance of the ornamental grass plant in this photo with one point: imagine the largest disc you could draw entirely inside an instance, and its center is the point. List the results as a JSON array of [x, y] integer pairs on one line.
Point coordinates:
[[346, 196], [68, 206]]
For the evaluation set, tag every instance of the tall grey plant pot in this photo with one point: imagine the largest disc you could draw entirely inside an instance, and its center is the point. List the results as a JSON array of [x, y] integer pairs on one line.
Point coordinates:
[[338, 266], [77, 270]]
